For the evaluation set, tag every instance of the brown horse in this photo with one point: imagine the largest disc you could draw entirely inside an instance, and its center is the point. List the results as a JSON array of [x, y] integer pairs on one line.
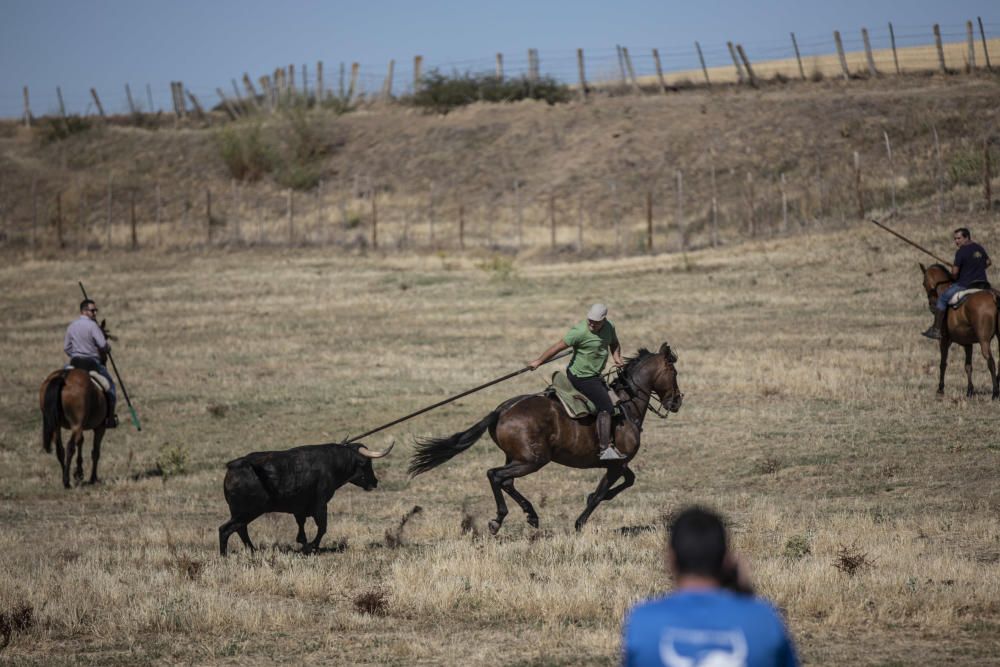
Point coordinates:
[[975, 321], [71, 400], [533, 430]]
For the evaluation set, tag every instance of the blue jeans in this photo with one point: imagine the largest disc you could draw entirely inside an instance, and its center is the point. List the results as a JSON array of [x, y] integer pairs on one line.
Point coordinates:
[[942, 302]]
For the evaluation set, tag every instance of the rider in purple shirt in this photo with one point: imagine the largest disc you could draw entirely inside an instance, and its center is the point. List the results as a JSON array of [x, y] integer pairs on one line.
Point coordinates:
[[86, 346], [969, 270], [712, 617]]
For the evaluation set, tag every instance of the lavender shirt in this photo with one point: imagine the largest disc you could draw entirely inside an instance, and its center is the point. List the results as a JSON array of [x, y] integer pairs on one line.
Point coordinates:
[[84, 338]]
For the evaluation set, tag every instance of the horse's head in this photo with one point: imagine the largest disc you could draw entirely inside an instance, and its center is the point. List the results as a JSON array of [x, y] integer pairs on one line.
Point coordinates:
[[665, 381], [936, 278]]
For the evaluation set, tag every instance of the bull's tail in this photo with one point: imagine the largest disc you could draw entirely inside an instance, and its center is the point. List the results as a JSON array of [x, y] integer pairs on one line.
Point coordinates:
[[432, 452], [52, 410]]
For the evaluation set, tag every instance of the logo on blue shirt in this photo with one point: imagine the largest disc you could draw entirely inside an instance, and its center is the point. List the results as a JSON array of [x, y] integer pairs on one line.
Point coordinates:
[[681, 647]]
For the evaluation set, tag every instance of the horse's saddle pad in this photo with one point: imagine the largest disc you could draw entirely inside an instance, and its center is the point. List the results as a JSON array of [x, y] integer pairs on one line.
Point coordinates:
[[576, 404], [958, 298], [95, 377]]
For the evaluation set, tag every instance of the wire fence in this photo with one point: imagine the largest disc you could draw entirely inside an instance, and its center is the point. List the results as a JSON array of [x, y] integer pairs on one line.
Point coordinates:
[[904, 48]]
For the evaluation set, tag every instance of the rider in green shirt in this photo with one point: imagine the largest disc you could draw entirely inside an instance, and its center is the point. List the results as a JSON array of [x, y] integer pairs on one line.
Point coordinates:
[[592, 340]]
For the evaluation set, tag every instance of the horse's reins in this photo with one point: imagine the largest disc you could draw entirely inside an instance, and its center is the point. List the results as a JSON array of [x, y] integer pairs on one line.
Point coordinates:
[[632, 388]]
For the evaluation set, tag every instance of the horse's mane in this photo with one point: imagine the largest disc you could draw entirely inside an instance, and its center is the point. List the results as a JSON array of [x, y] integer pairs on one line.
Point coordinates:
[[632, 362], [940, 266]]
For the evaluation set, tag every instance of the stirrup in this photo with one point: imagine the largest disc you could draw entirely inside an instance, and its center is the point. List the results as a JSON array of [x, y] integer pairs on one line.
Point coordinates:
[[611, 454], [932, 333], [111, 421]]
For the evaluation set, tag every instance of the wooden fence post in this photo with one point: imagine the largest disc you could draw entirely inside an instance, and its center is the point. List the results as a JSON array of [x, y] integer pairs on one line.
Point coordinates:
[[892, 39], [230, 109], [97, 102], [681, 228], [387, 85], [631, 70], [798, 57], [131, 103], [248, 86], [659, 71], [982, 34], [149, 98], [840, 54], [320, 92], [534, 66], [784, 204], [746, 64], [649, 221], [59, 222], [621, 66], [868, 52], [751, 218], [500, 67], [701, 59], [857, 185], [583, 76], [355, 69], [736, 63], [267, 92], [305, 82], [110, 178], [418, 64], [290, 83], [374, 221], [197, 105], [940, 48], [892, 169], [552, 220], [239, 96], [987, 175], [62, 106], [27, 109], [135, 236], [971, 39], [208, 214]]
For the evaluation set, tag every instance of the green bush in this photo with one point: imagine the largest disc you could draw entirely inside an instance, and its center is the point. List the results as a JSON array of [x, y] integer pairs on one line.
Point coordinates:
[[246, 154], [441, 93], [966, 167], [172, 460], [56, 129]]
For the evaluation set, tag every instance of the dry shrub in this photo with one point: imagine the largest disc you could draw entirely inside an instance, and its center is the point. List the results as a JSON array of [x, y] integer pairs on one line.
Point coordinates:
[[374, 603], [16, 620], [183, 564], [797, 547], [468, 524], [766, 466], [217, 410], [850, 560], [394, 536]]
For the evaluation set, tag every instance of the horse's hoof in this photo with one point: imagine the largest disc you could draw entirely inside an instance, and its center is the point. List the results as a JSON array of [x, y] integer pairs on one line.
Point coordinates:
[[533, 521], [494, 526], [579, 525]]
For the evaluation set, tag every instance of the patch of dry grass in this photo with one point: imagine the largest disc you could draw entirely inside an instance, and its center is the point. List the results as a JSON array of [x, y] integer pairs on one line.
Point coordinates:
[[810, 422]]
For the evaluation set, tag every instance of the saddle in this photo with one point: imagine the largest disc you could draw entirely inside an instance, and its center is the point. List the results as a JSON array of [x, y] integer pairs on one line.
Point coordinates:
[[90, 366], [577, 405], [958, 298]]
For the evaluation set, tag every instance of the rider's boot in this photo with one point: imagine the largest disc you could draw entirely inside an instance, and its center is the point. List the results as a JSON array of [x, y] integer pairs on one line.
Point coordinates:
[[608, 450], [111, 421], [935, 329]]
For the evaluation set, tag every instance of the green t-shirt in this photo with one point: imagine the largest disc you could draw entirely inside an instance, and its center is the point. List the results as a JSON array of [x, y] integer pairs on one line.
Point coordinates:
[[590, 350]]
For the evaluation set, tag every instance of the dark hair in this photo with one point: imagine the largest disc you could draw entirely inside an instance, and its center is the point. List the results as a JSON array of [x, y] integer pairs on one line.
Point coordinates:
[[698, 540], [964, 231], [85, 303]]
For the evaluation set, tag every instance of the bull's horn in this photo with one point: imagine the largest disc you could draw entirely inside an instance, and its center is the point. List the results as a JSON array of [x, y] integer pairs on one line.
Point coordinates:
[[364, 451]]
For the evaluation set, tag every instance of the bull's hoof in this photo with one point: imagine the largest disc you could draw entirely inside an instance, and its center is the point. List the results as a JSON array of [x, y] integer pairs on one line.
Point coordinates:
[[533, 521], [494, 526]]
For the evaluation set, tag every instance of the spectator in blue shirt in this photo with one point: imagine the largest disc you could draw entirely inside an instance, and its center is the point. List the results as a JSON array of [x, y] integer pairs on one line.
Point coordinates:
[[969, 270], [712, 619]]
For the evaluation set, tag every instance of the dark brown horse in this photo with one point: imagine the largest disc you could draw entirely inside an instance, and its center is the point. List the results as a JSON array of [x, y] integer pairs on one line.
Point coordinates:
[[975, 321], [535, 429], [70, 400]]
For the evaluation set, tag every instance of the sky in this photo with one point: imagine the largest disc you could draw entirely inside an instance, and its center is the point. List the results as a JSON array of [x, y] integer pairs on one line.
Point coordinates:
[[105, 44]]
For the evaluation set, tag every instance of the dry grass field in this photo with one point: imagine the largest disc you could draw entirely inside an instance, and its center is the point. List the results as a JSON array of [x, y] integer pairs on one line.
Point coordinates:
[[810, 421]]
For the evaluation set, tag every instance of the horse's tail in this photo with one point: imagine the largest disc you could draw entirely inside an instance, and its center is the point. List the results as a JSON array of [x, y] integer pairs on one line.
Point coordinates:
[[52, 410], [432, 452]]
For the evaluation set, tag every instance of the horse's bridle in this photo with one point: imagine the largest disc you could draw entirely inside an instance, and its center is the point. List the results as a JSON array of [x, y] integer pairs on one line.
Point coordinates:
[[634, 391]]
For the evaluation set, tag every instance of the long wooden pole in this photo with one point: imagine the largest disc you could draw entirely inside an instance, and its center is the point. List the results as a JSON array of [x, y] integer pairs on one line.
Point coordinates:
[[903, 238], [449, 400]]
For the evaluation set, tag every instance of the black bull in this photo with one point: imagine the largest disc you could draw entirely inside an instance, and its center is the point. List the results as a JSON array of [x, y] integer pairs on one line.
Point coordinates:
[[298, 481]]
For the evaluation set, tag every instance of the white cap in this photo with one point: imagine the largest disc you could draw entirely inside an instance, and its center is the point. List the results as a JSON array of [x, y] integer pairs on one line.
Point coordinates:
[[597, 312]]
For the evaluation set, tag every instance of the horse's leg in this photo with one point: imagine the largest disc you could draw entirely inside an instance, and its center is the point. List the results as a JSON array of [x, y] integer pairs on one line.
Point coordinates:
[[594, 499], [627, 482], [319, 516], [970, 390], [301, 537], [984, 346], [95, 453], [523, 502], [498, 479], [945, 344], [241, 530], [61, 455], [75, 440]]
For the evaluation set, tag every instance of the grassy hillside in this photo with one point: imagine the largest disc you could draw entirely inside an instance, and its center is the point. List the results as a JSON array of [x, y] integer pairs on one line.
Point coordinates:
[[587, 166]]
